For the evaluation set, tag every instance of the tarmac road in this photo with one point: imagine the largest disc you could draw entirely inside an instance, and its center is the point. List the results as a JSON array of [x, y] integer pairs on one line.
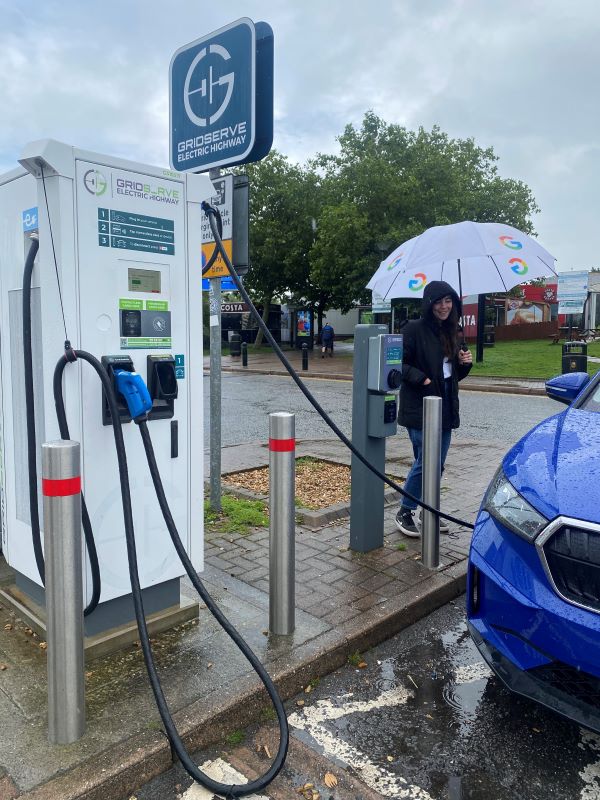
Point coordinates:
[[248, 399], [422, 718]]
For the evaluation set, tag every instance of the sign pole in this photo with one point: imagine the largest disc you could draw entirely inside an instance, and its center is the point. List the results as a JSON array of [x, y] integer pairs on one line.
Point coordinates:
[[214, 299]]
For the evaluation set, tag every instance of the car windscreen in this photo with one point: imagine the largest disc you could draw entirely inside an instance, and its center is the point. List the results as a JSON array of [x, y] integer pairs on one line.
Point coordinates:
[[592, 401]]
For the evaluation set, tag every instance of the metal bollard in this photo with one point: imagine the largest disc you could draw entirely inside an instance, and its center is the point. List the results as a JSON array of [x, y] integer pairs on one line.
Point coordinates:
[[282, 532], [304, 356], [432, 454], [244, 354], [61, 487]]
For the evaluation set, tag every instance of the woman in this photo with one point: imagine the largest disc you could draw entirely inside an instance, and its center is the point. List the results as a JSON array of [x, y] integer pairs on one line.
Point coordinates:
[[432, 365]]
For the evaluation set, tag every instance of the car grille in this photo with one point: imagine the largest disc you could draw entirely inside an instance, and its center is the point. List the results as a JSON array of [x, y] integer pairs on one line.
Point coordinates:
[[573, 558], [580, 685]]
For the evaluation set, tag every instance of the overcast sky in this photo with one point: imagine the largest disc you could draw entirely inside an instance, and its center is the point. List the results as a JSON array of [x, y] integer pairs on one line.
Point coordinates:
[[521, 76]]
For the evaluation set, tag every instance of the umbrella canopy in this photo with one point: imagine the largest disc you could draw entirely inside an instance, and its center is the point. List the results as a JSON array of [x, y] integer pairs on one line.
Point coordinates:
[[473, 257]]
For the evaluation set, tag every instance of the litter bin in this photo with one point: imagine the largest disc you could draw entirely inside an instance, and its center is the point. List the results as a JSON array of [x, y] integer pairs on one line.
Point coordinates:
[[235, 344], [489, 336], [574, 357]]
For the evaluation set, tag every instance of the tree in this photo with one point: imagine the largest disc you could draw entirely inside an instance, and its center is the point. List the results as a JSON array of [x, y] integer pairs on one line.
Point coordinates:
[[389, 184], [281, 230]]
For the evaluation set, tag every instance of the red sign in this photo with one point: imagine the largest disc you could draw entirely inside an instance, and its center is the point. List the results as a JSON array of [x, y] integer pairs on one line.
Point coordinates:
[[469, 319], [541, 294]]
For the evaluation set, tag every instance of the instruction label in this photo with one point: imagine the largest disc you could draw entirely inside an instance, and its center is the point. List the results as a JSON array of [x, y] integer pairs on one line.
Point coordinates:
[[125, 231]]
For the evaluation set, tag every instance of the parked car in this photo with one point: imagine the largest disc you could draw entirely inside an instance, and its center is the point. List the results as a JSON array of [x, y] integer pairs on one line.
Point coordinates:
[[533, 585]]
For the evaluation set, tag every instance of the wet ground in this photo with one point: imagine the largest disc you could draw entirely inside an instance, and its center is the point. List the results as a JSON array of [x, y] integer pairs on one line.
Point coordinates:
[[418, 717], [484, 415]]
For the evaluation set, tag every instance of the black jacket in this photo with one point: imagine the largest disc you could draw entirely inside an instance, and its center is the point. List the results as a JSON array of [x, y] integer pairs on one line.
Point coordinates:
[[423, 357]]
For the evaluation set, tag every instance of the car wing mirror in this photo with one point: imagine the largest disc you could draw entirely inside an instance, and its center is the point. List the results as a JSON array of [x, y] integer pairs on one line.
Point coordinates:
[[565, 388]]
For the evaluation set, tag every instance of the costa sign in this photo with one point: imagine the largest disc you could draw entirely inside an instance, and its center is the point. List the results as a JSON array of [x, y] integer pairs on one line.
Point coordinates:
[[233, 308]]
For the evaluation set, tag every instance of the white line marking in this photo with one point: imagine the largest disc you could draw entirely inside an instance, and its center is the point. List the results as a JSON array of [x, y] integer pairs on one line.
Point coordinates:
[[223, 772], [376, 777], [590, 775]]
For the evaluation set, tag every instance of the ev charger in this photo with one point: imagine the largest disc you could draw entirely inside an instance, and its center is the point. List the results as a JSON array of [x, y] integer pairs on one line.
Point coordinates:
[[120, 258]]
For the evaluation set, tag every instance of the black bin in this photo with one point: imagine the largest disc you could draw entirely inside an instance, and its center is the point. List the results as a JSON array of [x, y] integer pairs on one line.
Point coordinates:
[[489, 337], [574, 357], [235, 345]]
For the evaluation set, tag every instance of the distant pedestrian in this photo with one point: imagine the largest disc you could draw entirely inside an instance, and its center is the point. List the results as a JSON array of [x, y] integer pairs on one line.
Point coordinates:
[[432, 366], [327, 337]]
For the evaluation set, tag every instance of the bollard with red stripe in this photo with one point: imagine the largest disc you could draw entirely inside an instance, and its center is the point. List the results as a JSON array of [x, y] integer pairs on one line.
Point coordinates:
[[61, 488], [282, 531]]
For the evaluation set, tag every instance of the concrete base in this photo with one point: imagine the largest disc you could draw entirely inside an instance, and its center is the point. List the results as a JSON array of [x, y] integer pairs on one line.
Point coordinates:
[[108, 641]]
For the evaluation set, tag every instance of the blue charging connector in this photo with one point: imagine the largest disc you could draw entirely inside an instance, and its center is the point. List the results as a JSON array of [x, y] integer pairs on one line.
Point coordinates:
[[134, 390]]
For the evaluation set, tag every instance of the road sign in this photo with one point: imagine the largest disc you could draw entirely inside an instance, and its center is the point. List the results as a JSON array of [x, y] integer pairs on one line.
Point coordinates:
[[213, 99], [227, 285], [223, 201], [572, 291]]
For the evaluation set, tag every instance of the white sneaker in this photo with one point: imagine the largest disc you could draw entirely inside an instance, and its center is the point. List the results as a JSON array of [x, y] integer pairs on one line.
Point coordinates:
[[406, 523]]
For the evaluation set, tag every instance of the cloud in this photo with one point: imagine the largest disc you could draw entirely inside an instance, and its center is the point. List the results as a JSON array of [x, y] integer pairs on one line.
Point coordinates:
[[520, 77]]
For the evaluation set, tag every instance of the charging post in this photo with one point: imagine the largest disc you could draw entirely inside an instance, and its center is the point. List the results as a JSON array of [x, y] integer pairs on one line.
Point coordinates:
[[376, 377]]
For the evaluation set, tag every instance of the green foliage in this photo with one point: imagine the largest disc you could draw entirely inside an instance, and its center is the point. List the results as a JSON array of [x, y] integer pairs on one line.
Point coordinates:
[[389, 184], [401, 546], [267, 714], [282, 208], [319, 231], [237, 515], [234, 738], [355, 659]]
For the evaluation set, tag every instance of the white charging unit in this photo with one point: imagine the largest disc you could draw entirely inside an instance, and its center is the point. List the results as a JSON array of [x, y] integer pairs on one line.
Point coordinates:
[[118, 273]]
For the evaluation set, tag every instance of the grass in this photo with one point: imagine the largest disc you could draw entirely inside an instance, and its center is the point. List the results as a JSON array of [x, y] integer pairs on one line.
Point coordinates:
[[237, 515], [537, 358], [237, 737]]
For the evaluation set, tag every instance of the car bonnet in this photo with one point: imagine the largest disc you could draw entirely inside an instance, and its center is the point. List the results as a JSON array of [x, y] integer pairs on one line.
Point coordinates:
[[556, 466]]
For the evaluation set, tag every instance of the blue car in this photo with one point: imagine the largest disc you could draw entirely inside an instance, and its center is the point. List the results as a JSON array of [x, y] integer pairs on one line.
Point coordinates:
[[533, 584]]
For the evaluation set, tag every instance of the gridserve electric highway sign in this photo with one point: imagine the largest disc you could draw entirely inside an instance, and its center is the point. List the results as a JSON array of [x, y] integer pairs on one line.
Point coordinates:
[[213, 98]]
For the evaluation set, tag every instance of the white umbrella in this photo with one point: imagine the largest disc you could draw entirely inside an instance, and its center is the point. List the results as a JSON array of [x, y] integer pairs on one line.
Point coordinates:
[[473, 257]]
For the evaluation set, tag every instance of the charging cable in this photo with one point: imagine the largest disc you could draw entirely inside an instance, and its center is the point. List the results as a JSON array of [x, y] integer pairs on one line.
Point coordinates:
[[213, 215], [134, 390], [32, 446]]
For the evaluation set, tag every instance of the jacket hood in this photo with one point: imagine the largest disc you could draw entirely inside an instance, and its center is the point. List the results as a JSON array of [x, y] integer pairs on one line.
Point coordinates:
[[433, 292]]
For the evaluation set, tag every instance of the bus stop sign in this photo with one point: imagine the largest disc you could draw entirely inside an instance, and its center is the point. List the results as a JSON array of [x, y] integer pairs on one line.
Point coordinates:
[[213, 90]]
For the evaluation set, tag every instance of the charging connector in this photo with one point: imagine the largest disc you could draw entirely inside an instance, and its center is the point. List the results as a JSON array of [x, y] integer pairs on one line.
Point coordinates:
[[134, 390]]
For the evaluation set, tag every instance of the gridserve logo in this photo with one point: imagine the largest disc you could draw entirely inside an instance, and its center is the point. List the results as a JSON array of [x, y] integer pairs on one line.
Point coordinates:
[[213, 88], [95, 182], [216, 89]]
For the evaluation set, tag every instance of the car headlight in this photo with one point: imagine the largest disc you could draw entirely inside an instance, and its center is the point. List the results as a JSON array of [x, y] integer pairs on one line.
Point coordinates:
[[511, 509]]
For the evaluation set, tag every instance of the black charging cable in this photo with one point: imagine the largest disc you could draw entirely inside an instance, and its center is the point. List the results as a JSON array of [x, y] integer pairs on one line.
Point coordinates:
[[228, 791], [32, 446], [212, 215], [215, 253]]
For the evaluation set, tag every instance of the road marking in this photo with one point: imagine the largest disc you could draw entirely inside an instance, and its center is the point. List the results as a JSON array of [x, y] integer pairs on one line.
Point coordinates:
[[590, 774], [223, 772], [472, 673], [378, 778]]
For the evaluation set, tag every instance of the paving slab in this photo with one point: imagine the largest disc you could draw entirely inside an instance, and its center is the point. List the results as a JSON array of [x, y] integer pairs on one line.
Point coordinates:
[[346, 602]]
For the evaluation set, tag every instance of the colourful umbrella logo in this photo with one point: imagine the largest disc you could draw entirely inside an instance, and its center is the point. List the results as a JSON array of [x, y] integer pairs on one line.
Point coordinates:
[[418, 282], [508, 241], [395, 262], [519, 266]]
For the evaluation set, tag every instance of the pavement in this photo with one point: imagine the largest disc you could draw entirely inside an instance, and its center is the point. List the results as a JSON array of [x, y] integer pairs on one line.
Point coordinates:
[[339, 367], [346, 602]]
